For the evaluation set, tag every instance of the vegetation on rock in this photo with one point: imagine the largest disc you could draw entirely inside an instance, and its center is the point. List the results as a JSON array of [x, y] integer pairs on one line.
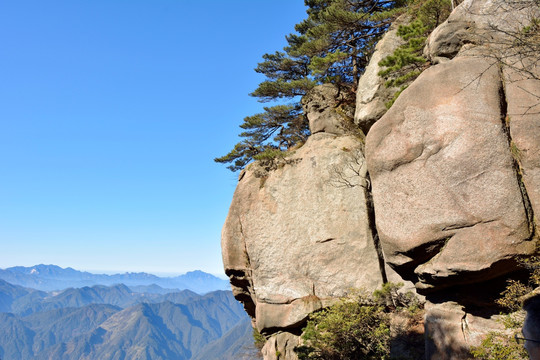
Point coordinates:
[[332, 45], [518, 49], [407, 61], [268, 135], [502, 345], [358, 327], [258, 340], [510, 299], [497, 346]]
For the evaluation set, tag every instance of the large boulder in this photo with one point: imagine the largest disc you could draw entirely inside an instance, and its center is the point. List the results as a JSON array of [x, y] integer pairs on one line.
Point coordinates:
[[522, 89], [479, 22], [280, 346], [448, 203], [298, 237], [455, 171], [324, 109], [372, 94]]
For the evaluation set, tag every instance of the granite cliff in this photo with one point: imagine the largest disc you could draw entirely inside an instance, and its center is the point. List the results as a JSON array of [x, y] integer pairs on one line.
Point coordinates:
[[441, 193]]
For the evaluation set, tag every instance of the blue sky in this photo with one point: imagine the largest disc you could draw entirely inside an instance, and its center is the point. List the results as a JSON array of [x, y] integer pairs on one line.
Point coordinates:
[[111, 112]]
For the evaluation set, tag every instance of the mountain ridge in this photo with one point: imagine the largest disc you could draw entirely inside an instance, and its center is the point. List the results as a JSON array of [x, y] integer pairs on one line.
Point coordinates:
[[55, 278], [78, 323]]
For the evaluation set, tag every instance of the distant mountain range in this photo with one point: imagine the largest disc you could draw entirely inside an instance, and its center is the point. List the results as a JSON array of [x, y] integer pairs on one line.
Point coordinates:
[[26, 301], [52, 277], [117, 322]]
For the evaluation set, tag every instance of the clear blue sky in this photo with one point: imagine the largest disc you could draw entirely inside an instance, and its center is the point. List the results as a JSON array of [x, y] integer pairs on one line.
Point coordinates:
[[111, 112]]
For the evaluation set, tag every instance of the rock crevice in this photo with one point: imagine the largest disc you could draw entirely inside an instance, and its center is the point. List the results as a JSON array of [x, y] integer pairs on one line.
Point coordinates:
[[444, 192], [529, 211], [373, 227]]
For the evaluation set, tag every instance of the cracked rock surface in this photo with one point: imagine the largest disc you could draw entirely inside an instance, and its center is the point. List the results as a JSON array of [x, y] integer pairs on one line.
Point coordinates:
[[447, 200], [299, 236], [454, 173], [523, 96], [455, 170], [451, 207]]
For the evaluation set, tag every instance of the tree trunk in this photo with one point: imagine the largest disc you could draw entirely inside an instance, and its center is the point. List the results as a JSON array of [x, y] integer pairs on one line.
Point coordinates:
[[355, 71]]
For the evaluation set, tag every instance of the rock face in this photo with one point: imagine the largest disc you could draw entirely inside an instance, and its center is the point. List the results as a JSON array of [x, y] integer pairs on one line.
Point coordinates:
[[454, 173], [281, 346], [321, 105], [452, 330], [523, 99], [447, 199], [454, 168], [478, 22], [372, 94], [444, 165], [299, 237]]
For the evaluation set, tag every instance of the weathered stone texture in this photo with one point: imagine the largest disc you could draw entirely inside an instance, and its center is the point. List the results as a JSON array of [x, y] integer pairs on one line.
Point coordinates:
[[372, 94], [300, 234], [447, 201], [321, 105], [480, 22], [451, 331], [455, 170], [522, 89], [281, 346], [455, 176]]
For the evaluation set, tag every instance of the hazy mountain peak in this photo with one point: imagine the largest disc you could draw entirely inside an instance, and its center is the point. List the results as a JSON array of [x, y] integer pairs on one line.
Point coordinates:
[[53, 277]]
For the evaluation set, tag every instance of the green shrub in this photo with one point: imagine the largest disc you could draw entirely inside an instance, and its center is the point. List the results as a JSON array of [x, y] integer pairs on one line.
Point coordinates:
[[515, 290], [433, 12], [510, 296], [347, 330], [497, 346], [406, 59], [258, 339], [357, 327], [394, 300], [270, 154]]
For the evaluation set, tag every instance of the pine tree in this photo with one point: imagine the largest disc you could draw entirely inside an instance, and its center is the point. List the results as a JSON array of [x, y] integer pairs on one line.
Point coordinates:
[[287, 77], [407, 62], [332, 45], [267, 134], [339, 36]]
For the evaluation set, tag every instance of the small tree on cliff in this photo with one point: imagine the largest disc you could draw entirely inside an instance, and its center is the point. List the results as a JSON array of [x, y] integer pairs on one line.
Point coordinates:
[[274, 131], [408, 61], [333, 44]]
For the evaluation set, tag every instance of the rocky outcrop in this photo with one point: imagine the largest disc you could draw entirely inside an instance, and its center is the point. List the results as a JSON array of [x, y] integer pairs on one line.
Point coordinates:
[[448, 203], [452, 331], [324, 111], [480, 22], [299, 236], [454, 169], [281, 346], [454, 173], [372, 94]]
